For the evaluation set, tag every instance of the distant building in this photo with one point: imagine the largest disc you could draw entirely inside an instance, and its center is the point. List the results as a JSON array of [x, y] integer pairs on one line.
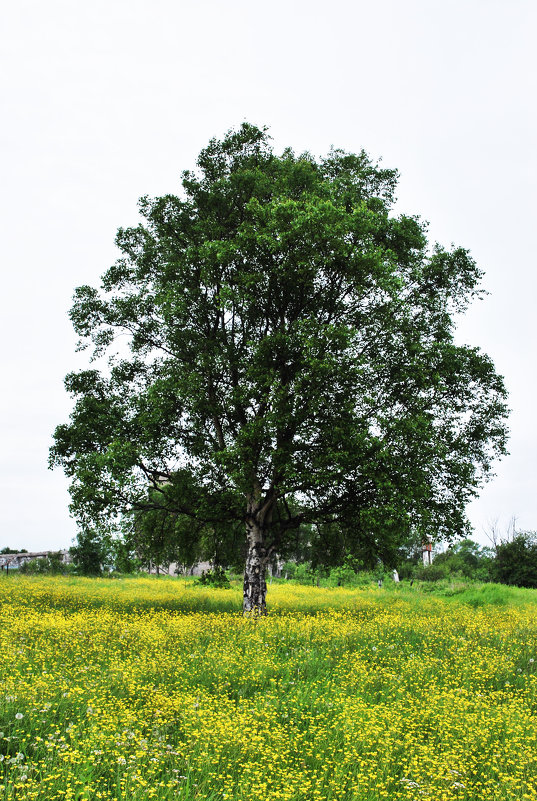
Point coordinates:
[[174, 569], [16, 560], [427, 553]]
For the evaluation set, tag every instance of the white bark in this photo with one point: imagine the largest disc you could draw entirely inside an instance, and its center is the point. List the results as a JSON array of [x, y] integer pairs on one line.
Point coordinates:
[[255, 585]]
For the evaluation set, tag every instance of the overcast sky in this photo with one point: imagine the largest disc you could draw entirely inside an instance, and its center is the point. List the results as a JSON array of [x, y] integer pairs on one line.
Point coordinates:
[[105, 101]]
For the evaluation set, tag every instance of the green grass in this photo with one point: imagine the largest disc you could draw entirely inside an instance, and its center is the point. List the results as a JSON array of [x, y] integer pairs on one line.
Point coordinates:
[[157, 688], [151, 593]]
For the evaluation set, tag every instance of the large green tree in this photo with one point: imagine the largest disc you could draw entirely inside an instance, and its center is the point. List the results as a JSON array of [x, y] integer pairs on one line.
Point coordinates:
[[291, 361]]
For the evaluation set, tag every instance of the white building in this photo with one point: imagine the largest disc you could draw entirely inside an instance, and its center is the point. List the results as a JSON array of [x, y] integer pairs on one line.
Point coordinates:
[[16, 560]]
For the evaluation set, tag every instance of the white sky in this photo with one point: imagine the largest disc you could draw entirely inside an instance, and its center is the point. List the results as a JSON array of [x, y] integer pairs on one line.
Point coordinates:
[[105, 101]]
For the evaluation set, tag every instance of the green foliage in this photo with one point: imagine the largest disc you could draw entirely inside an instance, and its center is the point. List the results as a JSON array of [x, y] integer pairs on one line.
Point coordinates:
[[406, 570], [342, 576], [90, 552], [215, 577], [292, 366], [305, 573], [161, 535], [289, 570], [123, 558], [46, 565], [512, 562], [432, 572], [467, 558], [349, 574], [516, 561]]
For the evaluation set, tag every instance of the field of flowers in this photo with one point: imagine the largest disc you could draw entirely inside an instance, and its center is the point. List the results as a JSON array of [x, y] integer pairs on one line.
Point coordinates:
[[145, 688]]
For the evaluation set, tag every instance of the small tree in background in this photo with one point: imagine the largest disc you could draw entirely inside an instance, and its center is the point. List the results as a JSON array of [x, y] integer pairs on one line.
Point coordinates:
[[467, 558], [90, 553], [516, 560]]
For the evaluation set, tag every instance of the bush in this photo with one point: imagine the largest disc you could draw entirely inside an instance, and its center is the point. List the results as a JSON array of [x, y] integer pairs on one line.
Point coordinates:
[[52, 565], [516, 561], [407, 570], [289, 570], [467, 558], [214, 578], [341, 576], [431, 572]]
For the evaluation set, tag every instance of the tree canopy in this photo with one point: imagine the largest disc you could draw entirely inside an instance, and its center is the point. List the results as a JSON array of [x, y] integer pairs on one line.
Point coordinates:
[[291, 361]]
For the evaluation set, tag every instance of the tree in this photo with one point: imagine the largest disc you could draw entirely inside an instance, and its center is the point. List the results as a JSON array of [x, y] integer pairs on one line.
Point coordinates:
[[90, 552], [291, 361], [516, 560], [468, 558]]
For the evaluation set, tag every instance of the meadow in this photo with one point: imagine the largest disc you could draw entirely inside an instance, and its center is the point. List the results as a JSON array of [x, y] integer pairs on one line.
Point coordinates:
[[156, 688]]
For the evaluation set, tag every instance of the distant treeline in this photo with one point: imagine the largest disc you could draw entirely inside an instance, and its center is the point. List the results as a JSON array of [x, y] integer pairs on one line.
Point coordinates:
[[510, 561]]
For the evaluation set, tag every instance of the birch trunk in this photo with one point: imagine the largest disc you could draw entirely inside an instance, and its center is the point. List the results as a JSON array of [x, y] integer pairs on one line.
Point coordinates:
[[255, 585]]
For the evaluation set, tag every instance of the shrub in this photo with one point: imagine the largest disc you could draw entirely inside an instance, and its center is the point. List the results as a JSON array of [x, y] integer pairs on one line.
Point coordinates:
[[341, 576], [431, 572], [406, 570], [214, 578], [51, 565], [516, 561]]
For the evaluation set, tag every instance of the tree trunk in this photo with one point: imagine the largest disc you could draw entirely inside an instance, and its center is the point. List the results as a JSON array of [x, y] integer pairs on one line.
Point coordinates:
[[258, 517], [255, 585]]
